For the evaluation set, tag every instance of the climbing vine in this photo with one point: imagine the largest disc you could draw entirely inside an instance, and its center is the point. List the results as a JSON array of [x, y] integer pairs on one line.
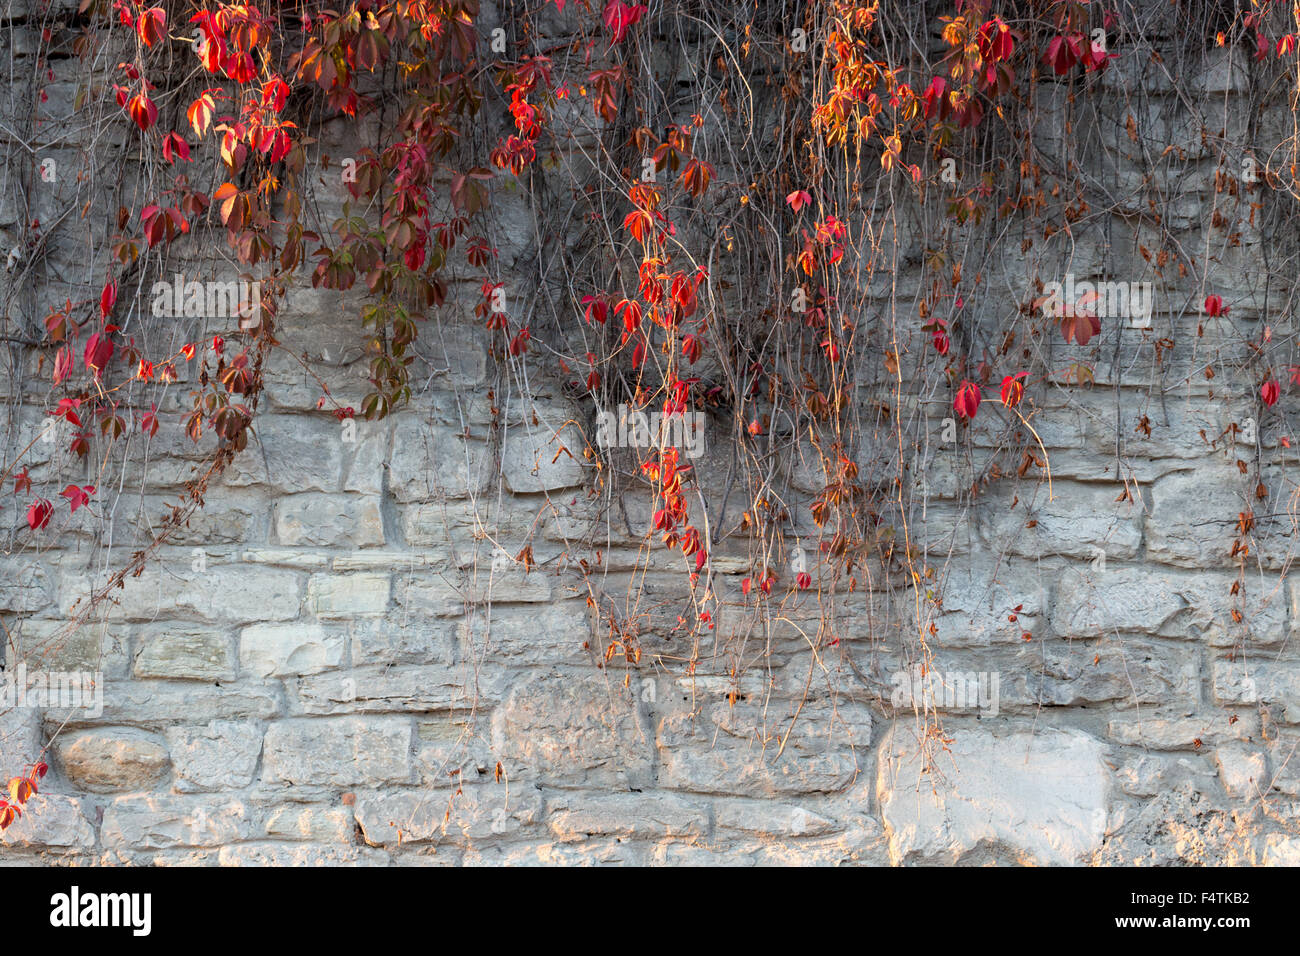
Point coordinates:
[[785, 217]]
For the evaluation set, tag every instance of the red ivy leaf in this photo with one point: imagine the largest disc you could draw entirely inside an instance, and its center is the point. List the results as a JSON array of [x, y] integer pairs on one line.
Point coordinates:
[[1062, 54], [142, 111], [99, 350], [1080, 327], [1013, 389], [620, 17], [967, 402], [173, 146], [151, 25], [107, 298], [77, 495], [200, 113], [38, 514], [62, 364]]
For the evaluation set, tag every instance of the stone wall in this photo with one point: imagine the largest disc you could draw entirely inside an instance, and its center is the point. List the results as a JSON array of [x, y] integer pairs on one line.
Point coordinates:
[[342, 661]]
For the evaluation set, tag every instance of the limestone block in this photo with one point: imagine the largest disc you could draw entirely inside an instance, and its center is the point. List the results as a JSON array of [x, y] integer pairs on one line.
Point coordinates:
[[1040, 795], [112, 759], [221, 755], [339, 751]]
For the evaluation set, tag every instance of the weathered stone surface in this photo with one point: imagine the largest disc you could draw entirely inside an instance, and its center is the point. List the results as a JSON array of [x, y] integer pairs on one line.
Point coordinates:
[[460, 355], [1040, 795], [295, 453], [764, 748], [977, 609], [573, 727], [156, 705], [335, 596], [391, 640], [365, 472], [506, 587], [300, 854], [226, 518], [430, 462], [184, 652], [1266, 682], [1120, 600], [342, 521], [159, 822], [1243, 770], [63, 646], [219, 756], [51, 820], [1075, 522], [553, 634], [770, 818], [1280, 850], [416, 689], [1095, 603], [339, 751], [480, 812], [20, 734], [424, 594], [1142, 776], [24, 585], [324, 824], [113, 759], [542, 459], [222, 592], [1188, 810], [552, 853], [1158, 733], [1126, 671], [1193, 520], [577, 817], [283, 650]]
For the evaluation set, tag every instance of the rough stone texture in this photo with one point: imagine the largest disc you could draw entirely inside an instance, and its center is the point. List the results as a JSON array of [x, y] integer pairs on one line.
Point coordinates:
[[480, 812], [1037, 796], [349, 658], [221, 756], [52, 820], [779, 748], [539, 460], [113, 759], [575, 818], [338, 751], [329, 521], [344, 596], [159, 822], [24, 585], [174, 651], [283, 650], [574, 726]]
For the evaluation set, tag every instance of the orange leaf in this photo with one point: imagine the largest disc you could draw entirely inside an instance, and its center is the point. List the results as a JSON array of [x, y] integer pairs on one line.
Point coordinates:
[[200, 113]]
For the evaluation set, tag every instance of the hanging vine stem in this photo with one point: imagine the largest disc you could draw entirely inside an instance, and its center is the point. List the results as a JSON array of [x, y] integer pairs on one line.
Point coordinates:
[[674, 261]]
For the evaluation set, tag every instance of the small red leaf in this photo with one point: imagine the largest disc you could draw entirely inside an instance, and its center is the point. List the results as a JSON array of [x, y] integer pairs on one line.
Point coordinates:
[[107, 298], [38, 514], [967, 402]]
